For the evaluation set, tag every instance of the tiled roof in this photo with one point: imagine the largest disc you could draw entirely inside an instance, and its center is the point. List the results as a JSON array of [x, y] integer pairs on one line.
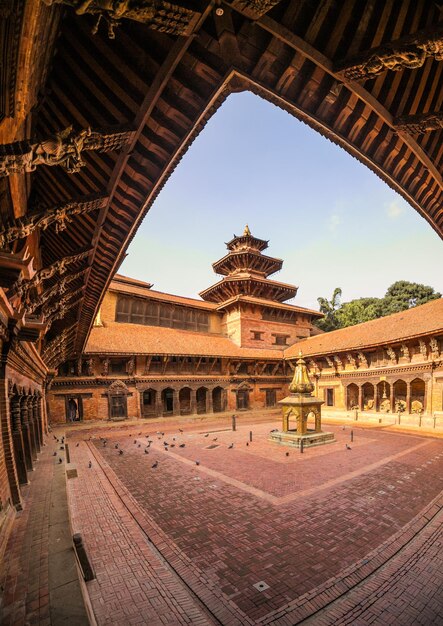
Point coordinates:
[[421, 320], [119, 278], [117, 338], [268, 304], [134, 290]]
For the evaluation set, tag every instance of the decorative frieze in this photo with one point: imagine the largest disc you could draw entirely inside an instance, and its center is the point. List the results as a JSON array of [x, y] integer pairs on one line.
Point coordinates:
[[60, 216], [351, 360], [433, 345], [64, 149], [423, 349], [57, 290], [254, 9], [338, 362], [406, 353]]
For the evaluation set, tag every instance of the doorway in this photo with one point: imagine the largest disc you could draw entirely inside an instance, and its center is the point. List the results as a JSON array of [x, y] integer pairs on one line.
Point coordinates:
[[73, 409]]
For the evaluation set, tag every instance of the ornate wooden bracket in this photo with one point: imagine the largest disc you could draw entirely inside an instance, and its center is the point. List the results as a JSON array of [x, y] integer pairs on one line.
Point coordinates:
[[351, 359], [60, 216], [391, 354], [167, 17], [406, 53], [15, 267], [418, 124], [64, 149], [362, 360], [57, 290]]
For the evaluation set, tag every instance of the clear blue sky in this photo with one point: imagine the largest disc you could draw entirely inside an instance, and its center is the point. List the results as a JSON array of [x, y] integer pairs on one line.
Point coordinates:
[[332, 221]]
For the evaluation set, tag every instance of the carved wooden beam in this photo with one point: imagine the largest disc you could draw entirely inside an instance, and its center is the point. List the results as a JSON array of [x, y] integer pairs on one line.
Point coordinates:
[[64, 149], [406, 53], [418, 124], [22, 286], [254, 9], [57, 290], [59, 215], [175, 18]]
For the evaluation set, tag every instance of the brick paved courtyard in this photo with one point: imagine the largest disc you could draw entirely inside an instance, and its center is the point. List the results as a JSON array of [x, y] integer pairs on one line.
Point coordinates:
[[187, 543]]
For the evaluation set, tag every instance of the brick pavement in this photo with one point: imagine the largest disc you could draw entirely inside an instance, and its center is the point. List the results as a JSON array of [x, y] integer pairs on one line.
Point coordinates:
[[233, 538]]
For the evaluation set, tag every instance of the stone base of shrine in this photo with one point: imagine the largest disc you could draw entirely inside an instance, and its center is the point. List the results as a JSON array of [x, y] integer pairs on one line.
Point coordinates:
[[310, 439]]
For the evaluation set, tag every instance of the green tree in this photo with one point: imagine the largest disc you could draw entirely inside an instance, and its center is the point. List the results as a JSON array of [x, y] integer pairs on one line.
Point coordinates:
[[358, 311], [403, 295], [329, 309]]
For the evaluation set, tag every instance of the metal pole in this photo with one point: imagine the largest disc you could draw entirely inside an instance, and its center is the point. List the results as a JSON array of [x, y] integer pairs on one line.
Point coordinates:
[[250, 435], [352, 436], [234, 424], [301, 446]]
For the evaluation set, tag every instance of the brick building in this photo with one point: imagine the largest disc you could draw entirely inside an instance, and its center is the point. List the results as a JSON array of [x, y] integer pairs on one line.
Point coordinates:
[[154, 354]]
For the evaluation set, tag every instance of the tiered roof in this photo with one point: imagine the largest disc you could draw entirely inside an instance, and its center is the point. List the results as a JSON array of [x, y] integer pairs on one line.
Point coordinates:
[[245, 270]]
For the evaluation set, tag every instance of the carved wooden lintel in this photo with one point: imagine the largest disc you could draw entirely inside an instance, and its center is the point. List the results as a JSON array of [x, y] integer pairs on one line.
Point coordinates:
[[64, 149], [254, 9], [60, 216], [407, 53], [419, 124], [168, 17]]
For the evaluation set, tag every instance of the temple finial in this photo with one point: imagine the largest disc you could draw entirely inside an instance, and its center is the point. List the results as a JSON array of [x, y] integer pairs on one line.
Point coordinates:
[[246, 232]]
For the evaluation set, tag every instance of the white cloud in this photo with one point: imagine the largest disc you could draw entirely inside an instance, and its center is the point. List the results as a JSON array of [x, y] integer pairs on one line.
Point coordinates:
[[394, 210]]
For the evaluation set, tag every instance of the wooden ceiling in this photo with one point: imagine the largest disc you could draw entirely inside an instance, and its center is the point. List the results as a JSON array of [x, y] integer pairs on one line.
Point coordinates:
[[367, 74]]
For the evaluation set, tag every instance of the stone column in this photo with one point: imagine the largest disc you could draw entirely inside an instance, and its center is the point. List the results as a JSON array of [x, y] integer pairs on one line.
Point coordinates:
[[408, 397], [209, 402], [193, 401], [391, 397], [17, 441], [158, 403], [175, 403], [360, 398], [26, 433]]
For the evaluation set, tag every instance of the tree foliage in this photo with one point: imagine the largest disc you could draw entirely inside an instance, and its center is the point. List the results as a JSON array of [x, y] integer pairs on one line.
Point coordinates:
[[400, 296]]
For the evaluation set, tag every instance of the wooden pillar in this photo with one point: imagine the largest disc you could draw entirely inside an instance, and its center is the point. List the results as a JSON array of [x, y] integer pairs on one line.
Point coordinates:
[[38, 440], [209, 402], [30, 407], [17, 438], [26, 433], [12, 458], [158, 403]]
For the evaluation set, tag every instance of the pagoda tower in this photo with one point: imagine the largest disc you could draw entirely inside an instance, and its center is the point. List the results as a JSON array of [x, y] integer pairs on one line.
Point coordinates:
[[246, 270], [255, 314]]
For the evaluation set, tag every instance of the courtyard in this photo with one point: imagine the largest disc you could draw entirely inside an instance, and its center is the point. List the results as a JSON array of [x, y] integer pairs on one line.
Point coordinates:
[[189, 522]]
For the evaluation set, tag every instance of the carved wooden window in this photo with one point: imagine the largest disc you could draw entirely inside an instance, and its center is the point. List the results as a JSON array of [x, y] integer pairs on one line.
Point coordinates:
[[139, 311], [271, 397], [281, 340], [118, 367], [329, 393], [257, 335]]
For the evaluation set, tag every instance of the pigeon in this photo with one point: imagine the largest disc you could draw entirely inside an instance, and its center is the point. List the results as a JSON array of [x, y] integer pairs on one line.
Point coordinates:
[[62, 447], [173, 438], [231, 446], [344, 427], [120, 451], [60, 461], [215, 439], [116, 446], [55, 454], [139, 445], [154, 465], [247, 443], [139, 434], [182, 445], [77, 445], [135, 440], [104, 443], [180, 430], [54, 436], [348, 447], [90, 464], [197, 462], [146, 451], [287, 453], [158, 437], [207, 435], [165, 443], [162, 434]]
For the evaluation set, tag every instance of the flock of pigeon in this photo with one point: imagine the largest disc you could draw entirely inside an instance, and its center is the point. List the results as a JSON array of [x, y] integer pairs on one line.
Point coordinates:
[[160, 435]]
